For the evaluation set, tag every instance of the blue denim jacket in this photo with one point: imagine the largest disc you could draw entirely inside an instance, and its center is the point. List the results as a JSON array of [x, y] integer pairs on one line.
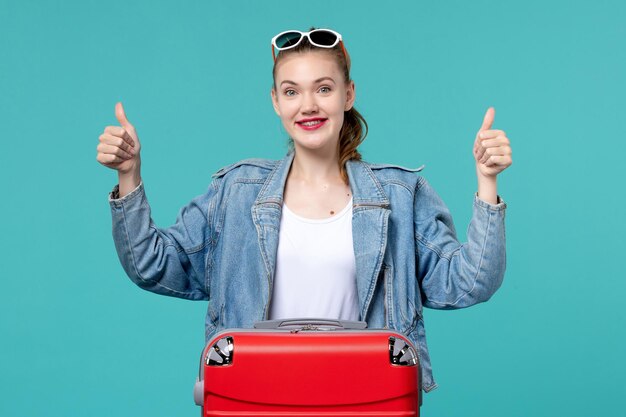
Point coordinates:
[[223, 247]]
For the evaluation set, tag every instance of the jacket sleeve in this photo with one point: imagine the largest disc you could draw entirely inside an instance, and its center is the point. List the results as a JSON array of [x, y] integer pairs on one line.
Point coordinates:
[[168, 261], [452, 274]]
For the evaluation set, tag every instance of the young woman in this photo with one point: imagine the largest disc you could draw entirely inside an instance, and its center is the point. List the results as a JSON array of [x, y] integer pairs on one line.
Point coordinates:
[[319, 233]]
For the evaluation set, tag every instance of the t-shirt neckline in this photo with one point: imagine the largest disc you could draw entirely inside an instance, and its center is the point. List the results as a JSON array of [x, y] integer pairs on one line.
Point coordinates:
[[333, 218]]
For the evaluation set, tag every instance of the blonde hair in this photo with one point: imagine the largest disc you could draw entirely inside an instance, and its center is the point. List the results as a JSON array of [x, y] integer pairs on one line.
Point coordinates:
[[354, 128]]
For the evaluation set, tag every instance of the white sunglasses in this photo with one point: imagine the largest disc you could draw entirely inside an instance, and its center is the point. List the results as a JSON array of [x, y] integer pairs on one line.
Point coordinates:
[[323, 38]]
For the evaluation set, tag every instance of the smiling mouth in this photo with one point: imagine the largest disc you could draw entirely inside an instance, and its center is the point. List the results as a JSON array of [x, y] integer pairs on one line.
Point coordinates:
[[312, 122]]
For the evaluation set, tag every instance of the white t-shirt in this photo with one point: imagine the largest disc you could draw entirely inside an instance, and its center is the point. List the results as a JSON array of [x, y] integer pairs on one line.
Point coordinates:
[[315, 268]]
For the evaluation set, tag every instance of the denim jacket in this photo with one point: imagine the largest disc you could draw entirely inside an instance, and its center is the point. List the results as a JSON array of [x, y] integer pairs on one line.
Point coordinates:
[[223, 248]]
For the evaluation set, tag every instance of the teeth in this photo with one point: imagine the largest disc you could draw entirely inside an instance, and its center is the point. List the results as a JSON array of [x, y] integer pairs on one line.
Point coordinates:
[[315, 122]]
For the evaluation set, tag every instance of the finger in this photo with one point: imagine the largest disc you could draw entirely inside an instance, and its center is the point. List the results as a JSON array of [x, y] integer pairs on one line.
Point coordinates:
[[108, 159], [499, 160], [497, 141], [101, 158], [480, 152], [488, 119], [119, 131], [115, 150], [117, 141], [115, 131], [488, 134], [503, 150], [122, 139], [481, 149], [120, 114], [491, 152], [498, 151]]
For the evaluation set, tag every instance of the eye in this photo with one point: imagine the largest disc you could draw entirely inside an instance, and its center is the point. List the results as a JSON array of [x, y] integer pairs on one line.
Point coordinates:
[[287, 92], [326, 88]]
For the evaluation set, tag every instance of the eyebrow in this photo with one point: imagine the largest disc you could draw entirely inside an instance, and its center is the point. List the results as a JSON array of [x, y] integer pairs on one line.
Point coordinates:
[[314, 82]]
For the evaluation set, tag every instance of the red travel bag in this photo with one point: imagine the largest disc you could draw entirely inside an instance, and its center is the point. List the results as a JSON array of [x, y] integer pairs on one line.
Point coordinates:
[[309, 367]]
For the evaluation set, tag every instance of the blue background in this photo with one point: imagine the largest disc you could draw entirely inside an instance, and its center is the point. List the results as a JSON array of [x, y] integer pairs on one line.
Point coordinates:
[[79, 339]]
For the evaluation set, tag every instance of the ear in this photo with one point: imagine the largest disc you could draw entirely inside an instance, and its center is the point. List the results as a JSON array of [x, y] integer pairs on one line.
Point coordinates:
[[350, 95], [275, 101]]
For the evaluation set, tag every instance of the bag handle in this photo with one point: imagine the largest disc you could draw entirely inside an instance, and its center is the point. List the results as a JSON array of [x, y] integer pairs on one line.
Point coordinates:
[[310, 324]]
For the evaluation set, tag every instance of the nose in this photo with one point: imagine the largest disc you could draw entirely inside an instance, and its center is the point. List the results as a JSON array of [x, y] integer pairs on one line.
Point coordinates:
[[309, 104]]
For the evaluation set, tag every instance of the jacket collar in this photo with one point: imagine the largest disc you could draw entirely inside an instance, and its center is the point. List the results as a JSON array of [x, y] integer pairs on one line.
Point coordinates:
[[274, 186], [366, 189]]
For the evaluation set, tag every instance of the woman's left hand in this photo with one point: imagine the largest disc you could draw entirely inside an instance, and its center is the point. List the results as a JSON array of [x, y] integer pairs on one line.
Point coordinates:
[[492, 149]]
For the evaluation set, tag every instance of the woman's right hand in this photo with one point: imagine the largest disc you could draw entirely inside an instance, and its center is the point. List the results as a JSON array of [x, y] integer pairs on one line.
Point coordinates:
[[119, 146]]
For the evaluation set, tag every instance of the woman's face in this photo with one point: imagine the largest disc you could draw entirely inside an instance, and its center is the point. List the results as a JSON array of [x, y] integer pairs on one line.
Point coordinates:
[[311, 86]]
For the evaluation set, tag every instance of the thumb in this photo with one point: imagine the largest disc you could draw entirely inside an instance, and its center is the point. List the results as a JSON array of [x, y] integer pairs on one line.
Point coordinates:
[[488, 119], [121, 115]]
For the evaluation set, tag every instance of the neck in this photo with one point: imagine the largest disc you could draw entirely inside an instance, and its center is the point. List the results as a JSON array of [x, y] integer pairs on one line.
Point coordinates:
[[315, 167]]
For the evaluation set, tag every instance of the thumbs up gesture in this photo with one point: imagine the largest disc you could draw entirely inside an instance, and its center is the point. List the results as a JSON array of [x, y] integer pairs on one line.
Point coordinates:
[[492, 149], [119, 145]]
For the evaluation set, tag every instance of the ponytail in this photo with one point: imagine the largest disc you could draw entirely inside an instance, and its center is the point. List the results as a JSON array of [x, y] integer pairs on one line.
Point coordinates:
[[352, 134]]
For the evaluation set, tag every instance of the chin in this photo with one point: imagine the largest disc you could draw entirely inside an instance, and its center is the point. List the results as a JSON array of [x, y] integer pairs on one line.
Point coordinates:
[[312, 143]]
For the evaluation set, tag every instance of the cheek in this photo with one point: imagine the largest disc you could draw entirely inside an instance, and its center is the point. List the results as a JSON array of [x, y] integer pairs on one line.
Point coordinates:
[[338, 104], [288, 109], [338, 112]]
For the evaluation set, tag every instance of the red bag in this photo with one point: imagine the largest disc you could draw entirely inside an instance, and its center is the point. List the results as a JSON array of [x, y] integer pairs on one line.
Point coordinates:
[[309, 367]]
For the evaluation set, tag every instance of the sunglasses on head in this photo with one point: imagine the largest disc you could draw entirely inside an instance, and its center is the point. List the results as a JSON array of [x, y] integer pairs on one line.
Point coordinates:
[[322, 38]]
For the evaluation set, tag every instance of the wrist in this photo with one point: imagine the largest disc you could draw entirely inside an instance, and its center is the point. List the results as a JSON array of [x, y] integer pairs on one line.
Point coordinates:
[[128, 182], [487, 187], [134, 172]]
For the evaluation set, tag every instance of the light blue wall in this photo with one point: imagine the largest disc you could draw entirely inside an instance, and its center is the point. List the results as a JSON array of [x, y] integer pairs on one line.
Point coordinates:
[[79, 339]]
